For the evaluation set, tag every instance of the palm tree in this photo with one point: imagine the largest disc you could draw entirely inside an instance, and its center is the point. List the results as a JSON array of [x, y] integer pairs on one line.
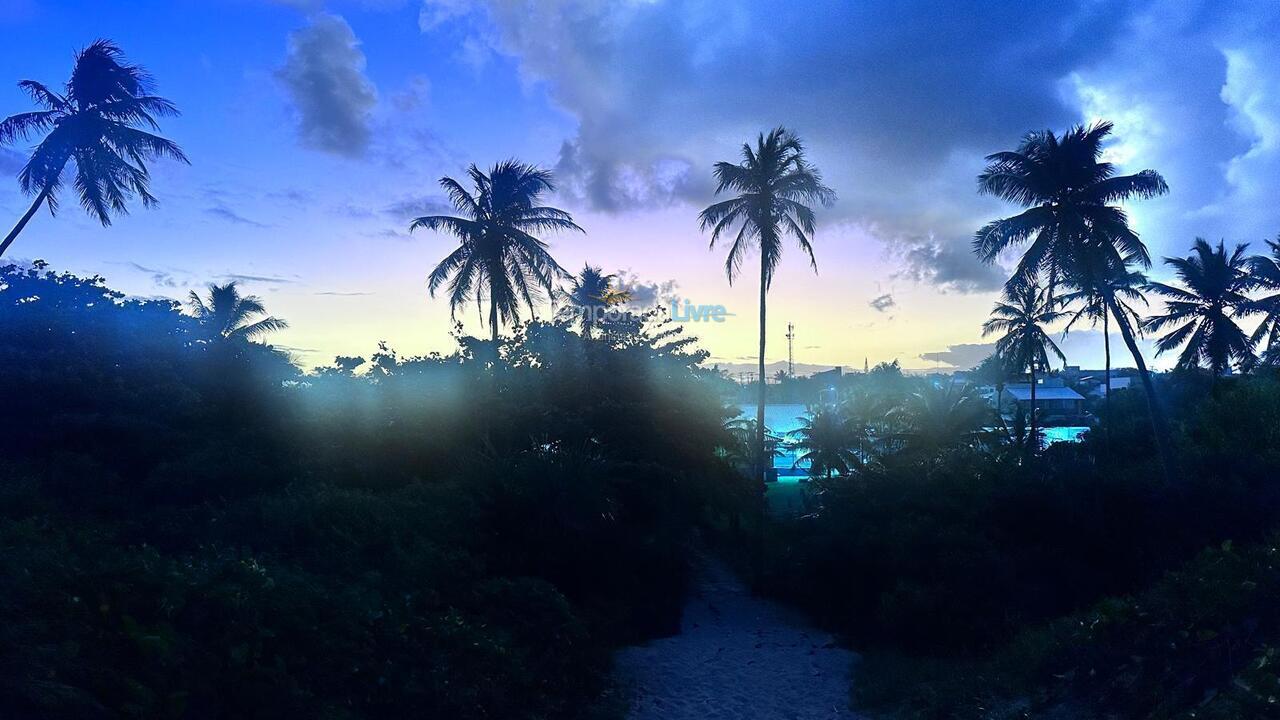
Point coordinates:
[[1095, 286], [229, 316], [1266, 274], [935, 418], [1071, 214], [590, 292], [1022, 317], [826, 440], [499, 255], [1203, 313], [96, 123], [775, 186]]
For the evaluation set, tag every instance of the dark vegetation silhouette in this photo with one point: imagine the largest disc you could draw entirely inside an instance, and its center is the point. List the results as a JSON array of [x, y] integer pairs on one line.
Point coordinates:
[[192, 527], [97, 122]]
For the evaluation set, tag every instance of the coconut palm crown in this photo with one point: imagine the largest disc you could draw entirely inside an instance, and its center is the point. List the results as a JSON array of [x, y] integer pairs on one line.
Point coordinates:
[[226, 315], [99, 123], [499, 255], [1201, 316]]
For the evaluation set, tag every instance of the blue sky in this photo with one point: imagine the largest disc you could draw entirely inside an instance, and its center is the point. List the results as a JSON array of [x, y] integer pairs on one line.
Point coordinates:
[[316, 129]]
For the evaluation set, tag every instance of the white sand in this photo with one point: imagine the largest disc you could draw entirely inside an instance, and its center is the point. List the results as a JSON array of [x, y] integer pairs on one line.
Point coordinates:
[[737, 656]]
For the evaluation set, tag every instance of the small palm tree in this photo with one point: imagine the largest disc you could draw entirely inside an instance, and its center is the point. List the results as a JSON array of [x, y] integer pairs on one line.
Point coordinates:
[[1025, 344], [95, 123], [935, 419], [1096, 286], [827, 440], [1203, 313], [1265, 270], [590, 292], [775, 186], [228, 316], [499, 255]]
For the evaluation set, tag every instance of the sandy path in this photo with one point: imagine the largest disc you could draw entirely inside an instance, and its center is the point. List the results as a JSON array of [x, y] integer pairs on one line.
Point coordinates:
[[737, 656]]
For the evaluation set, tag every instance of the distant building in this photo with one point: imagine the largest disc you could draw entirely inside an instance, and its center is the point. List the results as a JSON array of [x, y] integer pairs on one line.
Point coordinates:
[[828, 376], [1052, 398], [1117, 383]]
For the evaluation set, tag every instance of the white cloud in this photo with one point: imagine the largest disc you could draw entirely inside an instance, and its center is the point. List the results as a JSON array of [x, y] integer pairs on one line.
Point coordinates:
[[324, 75]]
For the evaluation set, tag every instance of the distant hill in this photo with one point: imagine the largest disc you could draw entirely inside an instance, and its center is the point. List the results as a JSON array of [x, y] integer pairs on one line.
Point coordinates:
[[802, 369]]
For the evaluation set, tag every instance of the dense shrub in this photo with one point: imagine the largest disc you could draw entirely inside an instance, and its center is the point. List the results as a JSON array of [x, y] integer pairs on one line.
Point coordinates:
[[196, 529]]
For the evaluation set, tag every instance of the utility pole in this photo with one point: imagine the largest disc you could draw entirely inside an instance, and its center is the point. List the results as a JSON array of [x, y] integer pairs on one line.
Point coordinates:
[[791, 358]]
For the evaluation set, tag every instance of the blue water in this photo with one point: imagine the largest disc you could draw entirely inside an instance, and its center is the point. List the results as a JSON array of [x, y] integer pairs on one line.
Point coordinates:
[[781, 420], [1064, 434]]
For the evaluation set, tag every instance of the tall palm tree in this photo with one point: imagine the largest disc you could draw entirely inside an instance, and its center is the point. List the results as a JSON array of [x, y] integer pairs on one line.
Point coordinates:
[[775, 187], [590, 292], [1266, 273], [499, 255], [1203, 313], [95, 123], [826, 440], [1095, 285], [226, 315], [1070, 197], [1025, 344]]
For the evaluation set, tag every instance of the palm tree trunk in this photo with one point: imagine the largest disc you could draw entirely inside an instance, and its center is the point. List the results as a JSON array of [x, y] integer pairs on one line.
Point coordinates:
[[1106, 350], [1159, 434], [1033, 437], [493, 318], [22, 223], [761, 470]]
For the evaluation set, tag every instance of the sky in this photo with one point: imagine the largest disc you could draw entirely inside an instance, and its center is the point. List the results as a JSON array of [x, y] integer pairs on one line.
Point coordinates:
[[318, 129]]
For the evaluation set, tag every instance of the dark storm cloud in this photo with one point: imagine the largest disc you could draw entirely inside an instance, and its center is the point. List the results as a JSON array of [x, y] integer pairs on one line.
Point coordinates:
[[951, 265], [899, 101], [324, 75]]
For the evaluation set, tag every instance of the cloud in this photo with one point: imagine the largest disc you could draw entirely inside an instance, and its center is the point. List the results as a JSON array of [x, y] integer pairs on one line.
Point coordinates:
[[324, 75], [11, 162], [646, 294], [951, 265], [161, 278], [412, 207], [962, 357], [899, 101], [882, 303], [335, 293], [225, 213], [265, 279]]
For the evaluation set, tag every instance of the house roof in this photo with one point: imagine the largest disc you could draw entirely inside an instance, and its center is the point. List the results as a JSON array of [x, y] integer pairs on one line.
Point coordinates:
[[1023, 392]]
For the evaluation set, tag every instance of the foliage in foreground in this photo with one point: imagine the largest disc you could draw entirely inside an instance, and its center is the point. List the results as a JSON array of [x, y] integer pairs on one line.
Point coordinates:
[[984, 586], [191, 528]]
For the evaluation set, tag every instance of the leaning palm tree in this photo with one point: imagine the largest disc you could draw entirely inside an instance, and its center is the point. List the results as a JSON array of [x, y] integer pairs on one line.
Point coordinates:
[[499, 256], [95, 123], [775, 187], [1025, 344], [826, 439], [1096, 285], [591, 292], [1265, 270], [1071, 213], [226, 315], [1203, 313]]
